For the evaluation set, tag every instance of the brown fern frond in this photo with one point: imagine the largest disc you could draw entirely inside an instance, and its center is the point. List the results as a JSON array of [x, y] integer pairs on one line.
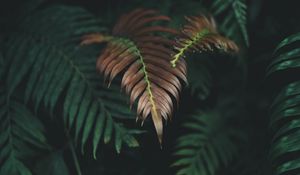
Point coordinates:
[[200, 34], [137, 49]]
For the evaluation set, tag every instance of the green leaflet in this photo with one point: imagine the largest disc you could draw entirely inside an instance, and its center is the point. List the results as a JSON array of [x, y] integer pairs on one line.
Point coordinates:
[[287, 166], [287, 60], [293, 38]]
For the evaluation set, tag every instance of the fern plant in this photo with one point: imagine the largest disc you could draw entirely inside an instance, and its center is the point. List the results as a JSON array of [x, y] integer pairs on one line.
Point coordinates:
[[141, 88], [285, 110], [58, 56], [201, 149]]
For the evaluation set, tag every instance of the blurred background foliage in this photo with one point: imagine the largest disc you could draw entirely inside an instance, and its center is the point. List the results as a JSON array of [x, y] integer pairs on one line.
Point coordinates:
[[239, 115]]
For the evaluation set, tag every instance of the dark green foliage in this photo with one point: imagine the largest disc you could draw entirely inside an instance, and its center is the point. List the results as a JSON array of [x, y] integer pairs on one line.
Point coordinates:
[[59, 117], [200, 79], [285, 110], [203, 77], [201, 151], [288, 59], [285, 124], [235, 20], [57, 53], [52, 164], [21, 135]]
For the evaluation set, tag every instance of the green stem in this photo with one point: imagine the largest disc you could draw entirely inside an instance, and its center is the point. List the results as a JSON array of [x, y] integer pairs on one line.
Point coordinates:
[[187, 44], [74, 155]]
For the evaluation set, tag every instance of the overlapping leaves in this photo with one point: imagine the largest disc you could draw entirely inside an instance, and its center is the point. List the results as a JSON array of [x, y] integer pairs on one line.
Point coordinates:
[[21, 135], [53, 68], [137, 48], [235, 22], [285, 110], [200, 34], [285, 122]]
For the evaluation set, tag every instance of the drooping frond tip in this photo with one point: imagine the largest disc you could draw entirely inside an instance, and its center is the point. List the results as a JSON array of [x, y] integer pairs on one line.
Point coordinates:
[[200, 34], [137, 48]]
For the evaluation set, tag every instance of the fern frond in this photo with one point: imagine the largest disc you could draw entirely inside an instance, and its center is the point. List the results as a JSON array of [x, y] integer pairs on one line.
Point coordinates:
[[200, 34], [52, 63], [285, 111], [208, 145], [235, 20], [135, 48], [287, 60], [21, 135], [285, 122]]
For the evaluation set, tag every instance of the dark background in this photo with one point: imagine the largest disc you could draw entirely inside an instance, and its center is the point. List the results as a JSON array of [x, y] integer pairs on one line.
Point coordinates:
[[269, 21]]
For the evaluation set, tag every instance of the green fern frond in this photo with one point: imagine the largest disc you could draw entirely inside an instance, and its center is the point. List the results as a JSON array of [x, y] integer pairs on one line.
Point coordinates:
[[285, 123], [207, 147], [21, 136], [235, 21], [287, 60], [48, 57], [285, 111]]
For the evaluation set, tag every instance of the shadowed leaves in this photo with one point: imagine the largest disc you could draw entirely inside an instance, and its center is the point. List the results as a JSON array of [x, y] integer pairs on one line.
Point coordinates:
[[234, 25], [60, 77], [284, 112], [201, 150], [22, 136]]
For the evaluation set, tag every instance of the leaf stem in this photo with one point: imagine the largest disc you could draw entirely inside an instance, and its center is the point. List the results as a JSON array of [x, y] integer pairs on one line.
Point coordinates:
[[187, 44], [74, 155]]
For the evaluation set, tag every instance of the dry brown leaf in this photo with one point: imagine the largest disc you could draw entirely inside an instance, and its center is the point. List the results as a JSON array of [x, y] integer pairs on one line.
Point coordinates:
[[137, 49]]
